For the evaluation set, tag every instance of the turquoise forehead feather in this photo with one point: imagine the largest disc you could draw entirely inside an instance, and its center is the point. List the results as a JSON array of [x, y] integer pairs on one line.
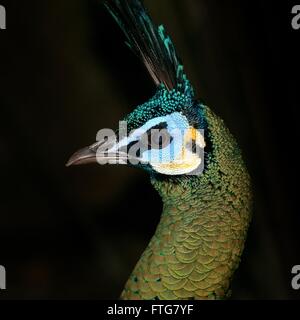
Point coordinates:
[[151, 44]]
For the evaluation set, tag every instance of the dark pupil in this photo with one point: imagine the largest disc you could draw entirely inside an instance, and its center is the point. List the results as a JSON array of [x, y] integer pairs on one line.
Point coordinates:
[[158, 136], [159, 139]]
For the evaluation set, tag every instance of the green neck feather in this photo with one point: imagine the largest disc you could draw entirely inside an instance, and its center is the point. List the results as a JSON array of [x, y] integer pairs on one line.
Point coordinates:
[[200, 238]]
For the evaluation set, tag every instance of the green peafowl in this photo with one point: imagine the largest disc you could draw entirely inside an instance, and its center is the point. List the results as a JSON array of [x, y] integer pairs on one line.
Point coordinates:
[[206, 213]]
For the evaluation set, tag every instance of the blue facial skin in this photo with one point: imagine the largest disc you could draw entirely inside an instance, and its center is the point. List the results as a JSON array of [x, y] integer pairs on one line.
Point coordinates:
[[164, 103]]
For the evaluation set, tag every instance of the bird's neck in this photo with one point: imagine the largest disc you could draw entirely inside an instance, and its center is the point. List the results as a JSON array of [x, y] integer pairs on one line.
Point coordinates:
[[199, 240]]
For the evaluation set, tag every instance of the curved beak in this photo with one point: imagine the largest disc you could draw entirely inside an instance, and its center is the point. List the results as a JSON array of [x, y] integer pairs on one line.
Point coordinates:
[[103, 153], [83, 156]]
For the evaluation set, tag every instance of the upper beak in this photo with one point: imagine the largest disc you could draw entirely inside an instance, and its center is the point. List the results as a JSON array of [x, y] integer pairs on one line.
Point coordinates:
[[83, 156], [100, 152], [90, 154]]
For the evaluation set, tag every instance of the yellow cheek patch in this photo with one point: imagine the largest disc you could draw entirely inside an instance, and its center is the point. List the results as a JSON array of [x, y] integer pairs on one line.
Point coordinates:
[[186, 161], [193, 134], [180, 164], [178, 167]]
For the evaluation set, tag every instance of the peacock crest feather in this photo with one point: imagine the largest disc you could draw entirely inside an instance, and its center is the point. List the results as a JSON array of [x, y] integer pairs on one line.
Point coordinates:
[[151, 44]]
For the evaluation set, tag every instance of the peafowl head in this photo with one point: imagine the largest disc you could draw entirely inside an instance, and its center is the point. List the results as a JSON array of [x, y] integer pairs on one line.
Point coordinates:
[[165, 135]]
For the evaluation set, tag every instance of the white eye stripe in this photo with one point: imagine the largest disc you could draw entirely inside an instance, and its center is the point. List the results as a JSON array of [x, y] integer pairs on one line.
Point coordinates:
[[176, 157], [174, 121]]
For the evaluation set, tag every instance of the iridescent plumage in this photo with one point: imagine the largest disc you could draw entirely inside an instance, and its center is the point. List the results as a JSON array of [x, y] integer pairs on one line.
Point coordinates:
[[199, 241]]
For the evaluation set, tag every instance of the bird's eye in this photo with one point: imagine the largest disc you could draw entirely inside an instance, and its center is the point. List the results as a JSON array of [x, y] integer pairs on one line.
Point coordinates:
[[159, 139]]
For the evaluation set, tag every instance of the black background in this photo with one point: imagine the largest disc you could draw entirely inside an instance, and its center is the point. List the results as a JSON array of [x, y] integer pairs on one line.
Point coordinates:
[[65, 73]]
